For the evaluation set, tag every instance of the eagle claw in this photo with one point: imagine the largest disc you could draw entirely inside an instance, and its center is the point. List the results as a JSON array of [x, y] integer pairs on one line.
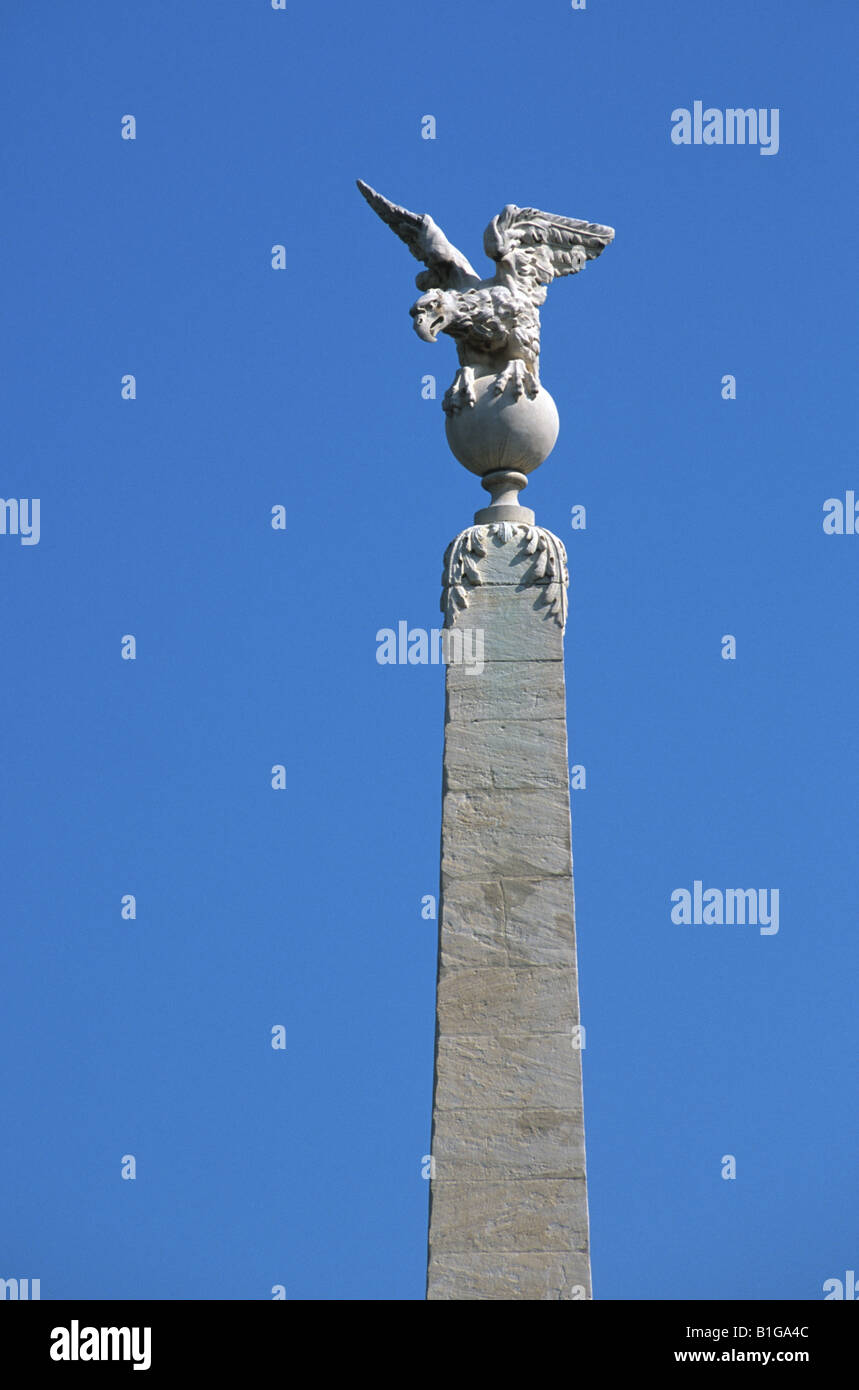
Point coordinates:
[[460, 393], [521, 380]]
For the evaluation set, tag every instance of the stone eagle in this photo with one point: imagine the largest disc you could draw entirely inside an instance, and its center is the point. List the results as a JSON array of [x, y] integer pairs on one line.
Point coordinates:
[[495, 322]]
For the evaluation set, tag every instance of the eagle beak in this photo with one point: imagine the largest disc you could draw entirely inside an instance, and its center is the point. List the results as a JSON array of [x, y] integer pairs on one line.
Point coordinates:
[[428, 326]]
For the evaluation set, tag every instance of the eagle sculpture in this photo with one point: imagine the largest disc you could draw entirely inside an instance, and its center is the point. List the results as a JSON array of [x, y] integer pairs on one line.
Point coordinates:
[[496, 322]]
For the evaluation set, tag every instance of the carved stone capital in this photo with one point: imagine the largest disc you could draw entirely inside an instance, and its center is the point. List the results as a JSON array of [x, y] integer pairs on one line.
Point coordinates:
[[505, 553]]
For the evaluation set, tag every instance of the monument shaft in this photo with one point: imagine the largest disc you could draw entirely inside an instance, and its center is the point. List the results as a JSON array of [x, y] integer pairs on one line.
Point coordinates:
[[508, 1204]]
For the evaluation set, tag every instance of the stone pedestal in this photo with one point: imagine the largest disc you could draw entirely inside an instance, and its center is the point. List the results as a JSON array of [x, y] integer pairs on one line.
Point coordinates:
[[508, 1208]]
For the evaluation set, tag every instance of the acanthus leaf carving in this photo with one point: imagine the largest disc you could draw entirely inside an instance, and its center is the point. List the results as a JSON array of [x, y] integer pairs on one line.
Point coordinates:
[[461, 573]]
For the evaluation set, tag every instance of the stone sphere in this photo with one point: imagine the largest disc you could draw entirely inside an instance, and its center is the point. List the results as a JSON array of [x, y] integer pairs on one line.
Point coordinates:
[[501, 432]]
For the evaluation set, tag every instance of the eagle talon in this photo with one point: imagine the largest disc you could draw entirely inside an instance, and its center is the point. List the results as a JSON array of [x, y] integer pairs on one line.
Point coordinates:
[[460, 393], [518, 377]]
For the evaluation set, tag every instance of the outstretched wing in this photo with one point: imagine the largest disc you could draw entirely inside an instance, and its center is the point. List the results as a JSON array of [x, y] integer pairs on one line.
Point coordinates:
[[534, 247], [447, 269]]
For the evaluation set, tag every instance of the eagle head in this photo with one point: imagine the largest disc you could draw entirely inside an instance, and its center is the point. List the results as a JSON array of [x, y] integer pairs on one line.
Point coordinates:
[[432, 313]]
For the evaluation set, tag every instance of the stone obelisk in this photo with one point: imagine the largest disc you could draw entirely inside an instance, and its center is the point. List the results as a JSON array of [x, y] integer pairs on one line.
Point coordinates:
[[508, 1213], [508, 1197]]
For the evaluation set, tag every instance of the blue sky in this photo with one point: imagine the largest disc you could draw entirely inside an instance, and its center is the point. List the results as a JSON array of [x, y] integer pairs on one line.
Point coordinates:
[[301, 907]]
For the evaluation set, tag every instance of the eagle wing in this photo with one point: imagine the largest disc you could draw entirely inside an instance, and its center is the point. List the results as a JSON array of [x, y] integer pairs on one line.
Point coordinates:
[[535, 247], [447, 268]]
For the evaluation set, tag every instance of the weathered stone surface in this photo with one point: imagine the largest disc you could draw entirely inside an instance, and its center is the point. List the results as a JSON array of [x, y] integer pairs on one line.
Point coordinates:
[[517, 625], [539, 1277], [488, 1145], [532, 690], [500, 1000], [506, 834], [508, 921], [473, 924], [540, 922], [486, 1072], [505, 753], [540, 1214], [508, 1213]]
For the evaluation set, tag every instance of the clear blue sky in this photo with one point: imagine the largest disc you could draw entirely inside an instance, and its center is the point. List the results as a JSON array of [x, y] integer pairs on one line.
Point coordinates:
[[256, 647]]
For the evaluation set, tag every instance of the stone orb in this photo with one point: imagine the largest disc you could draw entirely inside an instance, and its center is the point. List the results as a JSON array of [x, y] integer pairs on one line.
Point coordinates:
[[500, 432]]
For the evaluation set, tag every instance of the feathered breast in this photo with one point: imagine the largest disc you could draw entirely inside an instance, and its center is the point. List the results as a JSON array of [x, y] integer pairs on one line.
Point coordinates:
[[488, 317]]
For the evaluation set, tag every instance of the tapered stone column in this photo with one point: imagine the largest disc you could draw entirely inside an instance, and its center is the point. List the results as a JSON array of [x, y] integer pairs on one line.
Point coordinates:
[[508, 1206]]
